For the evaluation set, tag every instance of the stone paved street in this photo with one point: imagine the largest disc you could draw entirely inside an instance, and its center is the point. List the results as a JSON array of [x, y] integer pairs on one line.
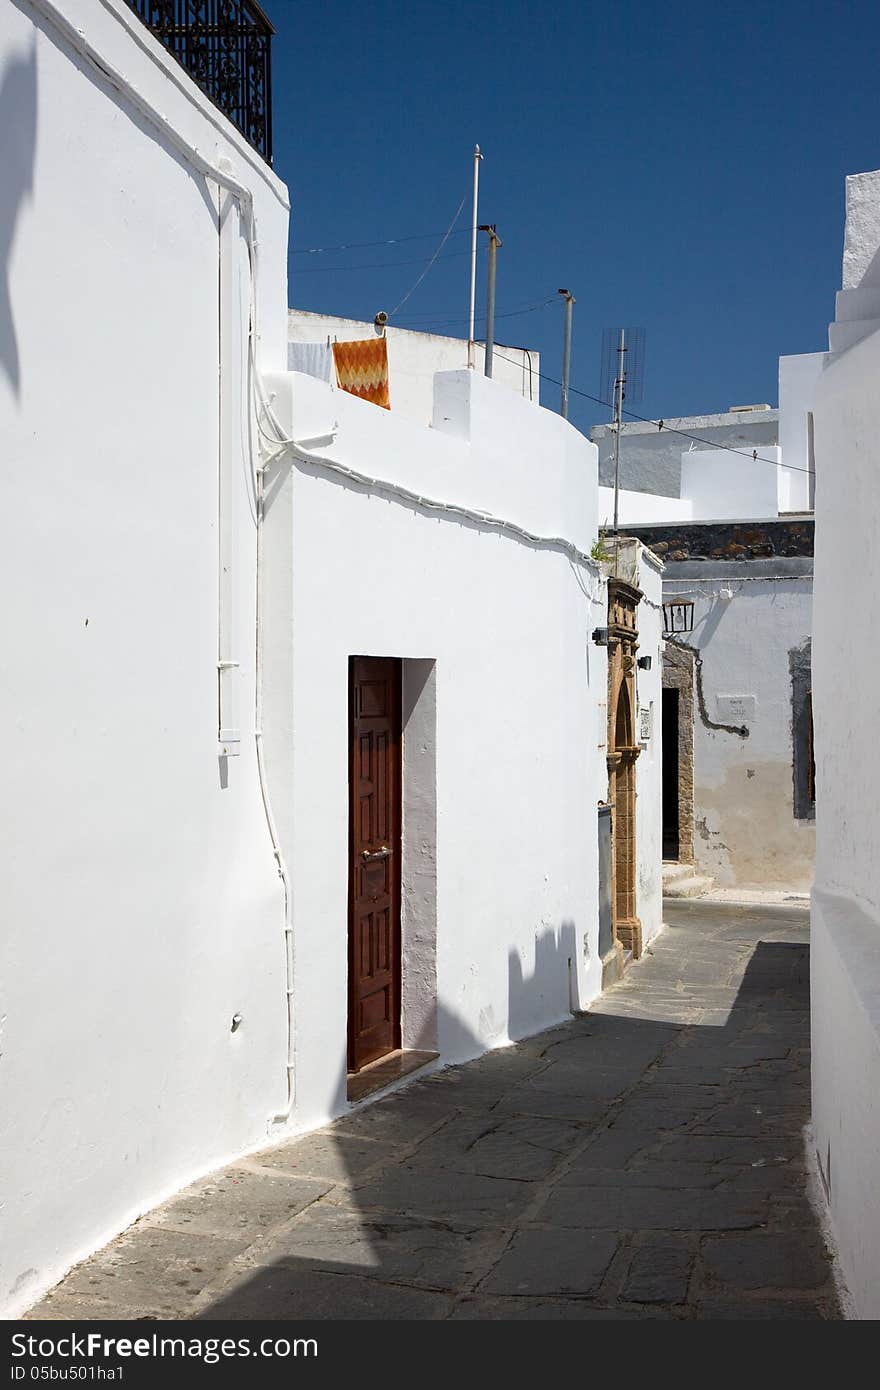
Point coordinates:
[[644, 1160]]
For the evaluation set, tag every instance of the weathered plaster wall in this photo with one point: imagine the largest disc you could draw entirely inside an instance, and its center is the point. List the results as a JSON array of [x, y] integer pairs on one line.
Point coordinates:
[[141, 904], [748, 618], [517, 680], [861, 242], [678, 674], [846, 900], [413, 358]]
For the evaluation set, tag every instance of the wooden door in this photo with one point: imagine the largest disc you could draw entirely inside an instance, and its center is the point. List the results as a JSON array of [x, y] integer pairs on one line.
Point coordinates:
[[374, 853]]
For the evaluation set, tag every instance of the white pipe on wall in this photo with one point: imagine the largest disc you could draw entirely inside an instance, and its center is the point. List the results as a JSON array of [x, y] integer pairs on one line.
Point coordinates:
[[220, 173]]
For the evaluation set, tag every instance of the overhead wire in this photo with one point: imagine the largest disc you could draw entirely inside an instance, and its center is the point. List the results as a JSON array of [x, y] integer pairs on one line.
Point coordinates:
[[436, 256], [507, 314], [662, 425], [514, 313], [366, 245], [282, 444], [376, 265]]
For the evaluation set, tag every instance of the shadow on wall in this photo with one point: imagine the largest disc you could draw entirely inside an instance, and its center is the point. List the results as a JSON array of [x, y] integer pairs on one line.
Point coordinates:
[[540, 998], [657, 1125], [539, 993], [18, 143]]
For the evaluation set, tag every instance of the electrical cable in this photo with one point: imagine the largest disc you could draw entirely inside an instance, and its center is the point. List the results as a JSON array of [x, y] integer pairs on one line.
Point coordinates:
[[282, 444], [662, 425], [443, 313], [508, 314], [366, 245], [218, 171], [735, 579], [436, 256], [378, 265]]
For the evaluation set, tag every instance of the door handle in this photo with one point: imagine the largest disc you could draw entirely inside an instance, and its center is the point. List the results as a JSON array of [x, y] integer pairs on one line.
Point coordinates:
[[370, 855]]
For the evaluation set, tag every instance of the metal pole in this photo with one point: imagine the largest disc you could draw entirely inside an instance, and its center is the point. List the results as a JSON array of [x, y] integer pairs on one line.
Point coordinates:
[[619, 391], [494, 243], [477, 158], [566, 352], [619, 382]]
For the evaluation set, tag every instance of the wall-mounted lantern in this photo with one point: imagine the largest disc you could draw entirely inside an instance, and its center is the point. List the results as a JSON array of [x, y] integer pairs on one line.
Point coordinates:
[[600, 636], [678, 616], [644, 663]]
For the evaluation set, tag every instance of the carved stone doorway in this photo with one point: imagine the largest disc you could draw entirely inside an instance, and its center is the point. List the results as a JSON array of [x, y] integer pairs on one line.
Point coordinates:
[[623, 750]]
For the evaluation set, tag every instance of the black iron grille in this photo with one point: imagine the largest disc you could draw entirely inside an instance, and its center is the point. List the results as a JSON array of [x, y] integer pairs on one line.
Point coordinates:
[[225, 47]]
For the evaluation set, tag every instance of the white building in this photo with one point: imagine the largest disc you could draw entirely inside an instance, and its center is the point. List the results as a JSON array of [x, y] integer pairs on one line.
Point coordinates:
[[414, 358], [733, 523], [846, 898], [448, 555], [198, 605], [666, 476], [142, 908]]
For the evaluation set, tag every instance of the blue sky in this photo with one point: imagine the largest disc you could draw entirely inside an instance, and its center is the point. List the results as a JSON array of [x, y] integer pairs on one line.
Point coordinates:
[[680, 168]]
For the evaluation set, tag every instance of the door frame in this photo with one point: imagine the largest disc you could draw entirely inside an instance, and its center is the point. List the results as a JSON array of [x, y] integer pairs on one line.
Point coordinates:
[[679, 667], [396, 839], [622, 752]]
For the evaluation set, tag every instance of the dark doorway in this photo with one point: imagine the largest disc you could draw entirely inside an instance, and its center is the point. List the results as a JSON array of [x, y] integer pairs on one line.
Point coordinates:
[[606, 879], [671, 846], [374, 859]]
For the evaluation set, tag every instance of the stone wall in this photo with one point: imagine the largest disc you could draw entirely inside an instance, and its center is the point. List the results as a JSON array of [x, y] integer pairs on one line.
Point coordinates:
[[731, 540]]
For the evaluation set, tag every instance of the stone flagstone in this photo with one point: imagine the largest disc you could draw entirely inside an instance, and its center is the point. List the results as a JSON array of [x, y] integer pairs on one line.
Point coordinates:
[[645, 1160]]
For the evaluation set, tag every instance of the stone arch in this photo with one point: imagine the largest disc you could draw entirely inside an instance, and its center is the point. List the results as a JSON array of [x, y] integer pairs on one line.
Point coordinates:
[[623, 724]]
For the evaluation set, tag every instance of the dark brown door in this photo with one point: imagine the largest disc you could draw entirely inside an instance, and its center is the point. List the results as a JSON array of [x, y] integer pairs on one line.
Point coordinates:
[[374, 878]]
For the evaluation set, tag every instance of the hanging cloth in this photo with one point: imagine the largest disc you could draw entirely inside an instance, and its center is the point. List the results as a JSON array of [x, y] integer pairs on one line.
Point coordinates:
[[362, 369], [312, 359]]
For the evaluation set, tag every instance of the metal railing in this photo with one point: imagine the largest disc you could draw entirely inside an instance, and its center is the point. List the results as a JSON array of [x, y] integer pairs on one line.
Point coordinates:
[[225, 46]]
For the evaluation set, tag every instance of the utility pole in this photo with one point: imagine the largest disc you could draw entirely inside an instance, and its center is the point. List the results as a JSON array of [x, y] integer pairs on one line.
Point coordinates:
[[494, 242], [619, 394], [566, 351], [477, 158]]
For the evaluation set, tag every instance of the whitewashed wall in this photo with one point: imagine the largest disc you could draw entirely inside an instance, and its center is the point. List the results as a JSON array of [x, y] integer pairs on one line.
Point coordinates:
[[716, 485], [141, 906], [641, 508], [649, 768], [519, 743], [413, 358], [748, 620], [846, 898], [651, 459], [726, 486], [798, 377]]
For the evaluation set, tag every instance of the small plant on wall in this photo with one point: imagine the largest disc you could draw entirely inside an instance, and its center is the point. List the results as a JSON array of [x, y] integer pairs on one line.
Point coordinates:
[[599, 550]]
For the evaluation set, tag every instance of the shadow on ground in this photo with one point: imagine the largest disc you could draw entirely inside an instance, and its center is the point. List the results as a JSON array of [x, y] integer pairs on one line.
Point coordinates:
[[644, 1160]]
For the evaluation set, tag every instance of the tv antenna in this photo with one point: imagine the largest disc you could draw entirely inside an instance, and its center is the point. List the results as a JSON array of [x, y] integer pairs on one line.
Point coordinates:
[[623, 358]]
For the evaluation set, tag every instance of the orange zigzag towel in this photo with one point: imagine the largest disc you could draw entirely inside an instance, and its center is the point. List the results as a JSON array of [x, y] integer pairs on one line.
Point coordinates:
[[362, 369]]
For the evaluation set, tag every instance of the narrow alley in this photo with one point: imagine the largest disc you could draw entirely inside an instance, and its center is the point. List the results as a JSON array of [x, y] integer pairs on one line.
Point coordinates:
[[644, 1160]]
